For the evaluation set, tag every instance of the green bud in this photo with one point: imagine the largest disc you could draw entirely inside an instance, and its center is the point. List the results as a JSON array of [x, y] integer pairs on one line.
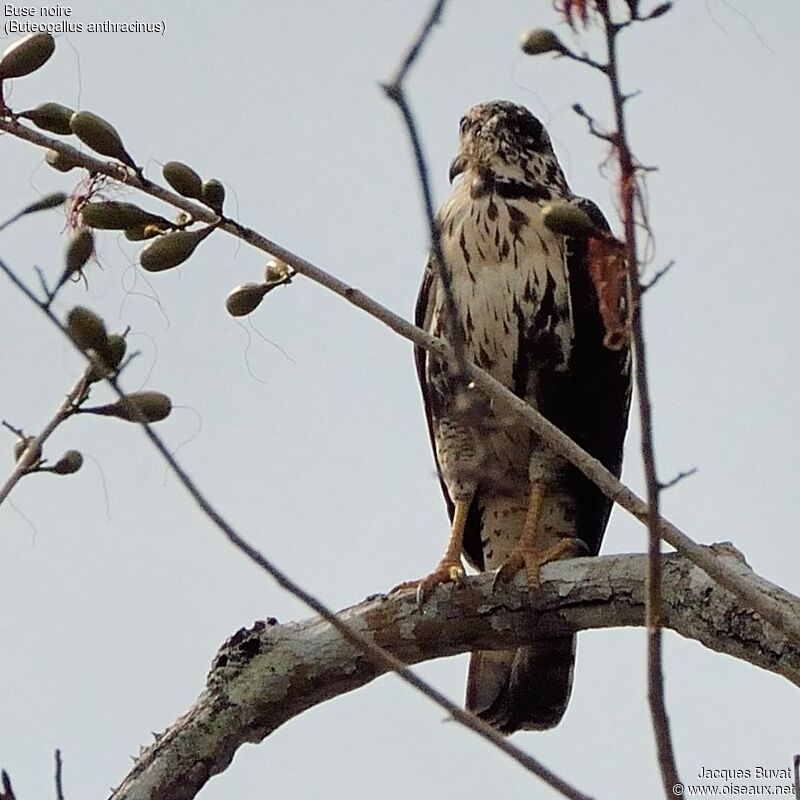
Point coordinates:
[[113, 215], [171, 249], [51, 117], [245, 298], [183, 179], [79, 251], [53, 200], [568, 220], [26, 55], [68, 464], [540, 40], [60, 161], [213, 195], [87, 330], [136, 407], [100, 135]]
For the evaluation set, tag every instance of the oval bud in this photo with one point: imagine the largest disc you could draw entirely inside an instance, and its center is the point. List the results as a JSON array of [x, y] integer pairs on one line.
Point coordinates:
[[87, 330], [245, 298], [152, 406], [51, 117], [171, 249], [116, 216], [183, 179], [26, 55], [79, 251], [59, 161], [568, 220], [213, 195], [540, 40], [69, 463], [100, 135]]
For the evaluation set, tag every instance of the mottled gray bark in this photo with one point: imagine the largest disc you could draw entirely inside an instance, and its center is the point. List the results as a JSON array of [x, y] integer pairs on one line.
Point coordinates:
[[265, 675]]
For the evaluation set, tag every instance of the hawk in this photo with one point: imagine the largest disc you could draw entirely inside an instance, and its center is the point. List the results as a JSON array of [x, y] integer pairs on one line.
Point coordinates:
[[525, 308]]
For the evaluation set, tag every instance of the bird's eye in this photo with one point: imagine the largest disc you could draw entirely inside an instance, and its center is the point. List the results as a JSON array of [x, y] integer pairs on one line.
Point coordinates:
[[463, 125]]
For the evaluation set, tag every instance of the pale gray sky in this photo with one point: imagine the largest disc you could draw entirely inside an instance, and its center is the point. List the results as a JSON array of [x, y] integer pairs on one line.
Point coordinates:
[[111, 610]]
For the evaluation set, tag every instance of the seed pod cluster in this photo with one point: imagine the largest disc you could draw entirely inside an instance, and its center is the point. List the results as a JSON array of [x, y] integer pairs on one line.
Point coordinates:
[[172, 249], [100, 135], [51, 117], [568, 220], [26, 55]]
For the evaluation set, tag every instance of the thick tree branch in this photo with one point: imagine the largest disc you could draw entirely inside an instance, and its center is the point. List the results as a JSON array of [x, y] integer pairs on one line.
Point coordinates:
[[265, 675]]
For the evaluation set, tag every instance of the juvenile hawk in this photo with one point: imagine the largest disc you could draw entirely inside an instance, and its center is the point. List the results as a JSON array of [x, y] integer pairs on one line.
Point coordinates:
[[528, 314]]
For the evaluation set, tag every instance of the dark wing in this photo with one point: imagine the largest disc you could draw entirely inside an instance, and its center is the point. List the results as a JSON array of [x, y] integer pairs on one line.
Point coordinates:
[[594, 410], [422, 318]]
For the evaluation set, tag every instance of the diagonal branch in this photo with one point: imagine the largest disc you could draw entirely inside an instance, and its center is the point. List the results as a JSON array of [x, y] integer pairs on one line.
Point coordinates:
[[270, 673]]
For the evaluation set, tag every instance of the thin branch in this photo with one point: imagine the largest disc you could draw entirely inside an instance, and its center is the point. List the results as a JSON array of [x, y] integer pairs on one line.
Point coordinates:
[[27, 462], [657, 277], [265, 675], [682, 475], [395, 91], [628, 178], [775, 612], [59, 785], [377, 655]]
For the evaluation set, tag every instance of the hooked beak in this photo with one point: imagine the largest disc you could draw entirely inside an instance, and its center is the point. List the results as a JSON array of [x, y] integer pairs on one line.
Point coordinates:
[[457, 166]]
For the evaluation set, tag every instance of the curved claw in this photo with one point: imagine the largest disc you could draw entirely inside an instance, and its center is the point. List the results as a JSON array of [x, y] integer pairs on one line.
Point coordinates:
[[446, 572]]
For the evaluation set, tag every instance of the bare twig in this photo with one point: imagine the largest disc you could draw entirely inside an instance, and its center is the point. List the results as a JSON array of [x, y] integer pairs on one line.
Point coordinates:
[[657, 277], [380, 657], [395, 91], [682, 475], [628, 193], [59, 784], [27, 461]]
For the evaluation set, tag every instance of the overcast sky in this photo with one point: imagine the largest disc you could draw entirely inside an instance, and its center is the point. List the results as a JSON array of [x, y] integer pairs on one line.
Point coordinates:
[[306, 427]]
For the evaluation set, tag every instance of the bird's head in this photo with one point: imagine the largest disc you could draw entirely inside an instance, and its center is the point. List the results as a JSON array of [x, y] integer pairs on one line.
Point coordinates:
[[509, 142]]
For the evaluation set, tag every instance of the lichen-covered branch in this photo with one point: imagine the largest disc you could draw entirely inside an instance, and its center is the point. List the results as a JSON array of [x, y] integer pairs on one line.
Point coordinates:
[[265, 675]]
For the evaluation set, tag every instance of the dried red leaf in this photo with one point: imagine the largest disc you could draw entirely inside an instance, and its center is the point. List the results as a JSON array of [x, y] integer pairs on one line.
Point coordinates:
[[607, 270], [572, 10]]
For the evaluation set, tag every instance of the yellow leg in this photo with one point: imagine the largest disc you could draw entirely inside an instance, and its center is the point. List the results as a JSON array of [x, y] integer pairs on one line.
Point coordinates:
[[449, 569], [531, 552]]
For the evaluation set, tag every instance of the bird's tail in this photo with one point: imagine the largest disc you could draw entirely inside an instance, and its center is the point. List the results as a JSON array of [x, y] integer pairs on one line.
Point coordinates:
[[527, 688]]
